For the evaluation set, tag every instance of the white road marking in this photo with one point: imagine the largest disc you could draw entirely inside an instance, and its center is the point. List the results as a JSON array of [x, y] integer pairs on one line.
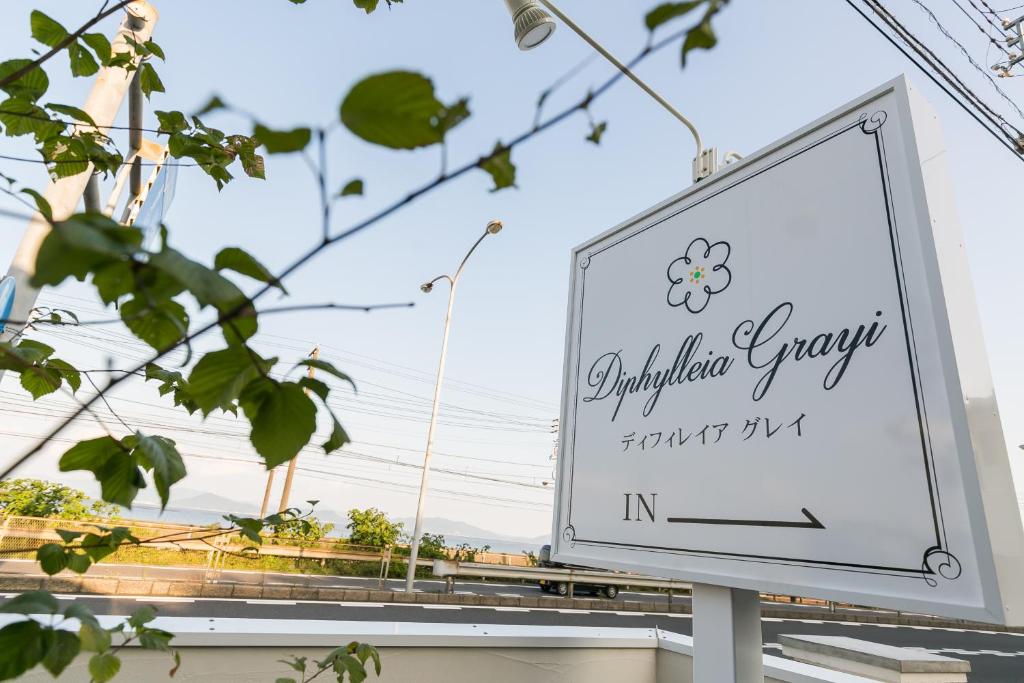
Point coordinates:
[[511, 609], [508, 595], [271, 602], [360, 604], [157, 598], [464, 593], [440, 607], [572, 611]]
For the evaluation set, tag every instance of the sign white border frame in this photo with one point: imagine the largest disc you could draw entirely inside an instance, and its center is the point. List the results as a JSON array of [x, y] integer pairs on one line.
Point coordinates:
[[992, 506]]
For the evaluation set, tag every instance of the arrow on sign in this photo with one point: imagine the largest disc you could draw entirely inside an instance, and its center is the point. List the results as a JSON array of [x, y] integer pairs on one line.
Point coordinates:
[[811, 523]]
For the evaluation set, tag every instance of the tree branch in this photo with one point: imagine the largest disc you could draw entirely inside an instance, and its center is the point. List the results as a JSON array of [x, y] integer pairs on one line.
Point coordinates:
[[353, 230]]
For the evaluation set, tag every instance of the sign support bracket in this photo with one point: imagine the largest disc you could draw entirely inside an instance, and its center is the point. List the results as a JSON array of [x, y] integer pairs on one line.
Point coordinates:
[[727, 641]]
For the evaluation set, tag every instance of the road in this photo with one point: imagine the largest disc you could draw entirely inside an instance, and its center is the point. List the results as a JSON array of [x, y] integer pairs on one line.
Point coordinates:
[[131, 571], [995, 657]]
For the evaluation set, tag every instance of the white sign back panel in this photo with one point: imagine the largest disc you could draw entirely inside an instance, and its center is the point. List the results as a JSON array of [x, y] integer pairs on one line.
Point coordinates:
[[775, 380]]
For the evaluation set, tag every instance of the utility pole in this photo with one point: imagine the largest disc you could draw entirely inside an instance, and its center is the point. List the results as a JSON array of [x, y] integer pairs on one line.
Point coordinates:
[[63, 195], [294, 461], [1014, 39]]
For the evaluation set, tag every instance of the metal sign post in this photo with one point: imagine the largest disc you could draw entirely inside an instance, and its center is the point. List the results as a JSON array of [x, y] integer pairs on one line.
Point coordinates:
[[727, 642]]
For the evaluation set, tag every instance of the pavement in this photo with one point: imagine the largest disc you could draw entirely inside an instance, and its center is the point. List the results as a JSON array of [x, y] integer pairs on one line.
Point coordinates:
[[996, 657]]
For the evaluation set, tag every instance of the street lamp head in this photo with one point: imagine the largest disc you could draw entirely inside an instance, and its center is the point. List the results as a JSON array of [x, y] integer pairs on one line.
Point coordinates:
[[494, 227], [533, 25], [427, 287]]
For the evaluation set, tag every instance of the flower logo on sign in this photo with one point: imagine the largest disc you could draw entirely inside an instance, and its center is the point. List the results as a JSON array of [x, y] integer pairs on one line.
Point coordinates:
[[699, 273]]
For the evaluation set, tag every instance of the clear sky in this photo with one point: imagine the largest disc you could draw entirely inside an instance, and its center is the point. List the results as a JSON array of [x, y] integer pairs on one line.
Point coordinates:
[[779, 65]]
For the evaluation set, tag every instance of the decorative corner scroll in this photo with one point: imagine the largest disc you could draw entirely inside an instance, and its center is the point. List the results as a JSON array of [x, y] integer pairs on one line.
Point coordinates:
[[939, 562], [585, 262], [569, 535], [870, 124]]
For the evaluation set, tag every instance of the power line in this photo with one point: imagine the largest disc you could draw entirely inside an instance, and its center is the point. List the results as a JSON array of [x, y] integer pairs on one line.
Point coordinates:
[[988, 19], [998, 134], [984, 72]]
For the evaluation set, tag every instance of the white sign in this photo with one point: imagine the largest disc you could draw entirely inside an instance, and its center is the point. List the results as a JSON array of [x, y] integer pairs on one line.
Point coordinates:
[[776, 381]]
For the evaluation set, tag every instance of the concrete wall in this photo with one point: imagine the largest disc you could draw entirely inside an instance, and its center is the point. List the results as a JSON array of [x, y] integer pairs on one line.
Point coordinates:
[[400, 665]]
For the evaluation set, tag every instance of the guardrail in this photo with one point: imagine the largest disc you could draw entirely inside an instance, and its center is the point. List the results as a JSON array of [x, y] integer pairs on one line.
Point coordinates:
[[450, 570], [25, 534]]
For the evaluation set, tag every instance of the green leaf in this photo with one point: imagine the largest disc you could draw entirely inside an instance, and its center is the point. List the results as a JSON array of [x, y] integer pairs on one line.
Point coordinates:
[[21, 117], [352, 187], [41, 203], [213, 104], [500, 167], [154, 49], [282, 141], [701, 37], [210, 288], [90, 455], [78, 561], [339, 437], [77, 610], [103, 667], [80, 245], [364, 651], [82, 62], [29, 86], [597, 132], [116, 470], [155, 639], [67, 371], [283, 419], [47, 31], [159, 454], [148, 80], [316, 386], [21, 648], [120, 480], [327, 367], [397, 109], [31, 602], [451, 116], [40, 380], [142, 616], [668, 11], [99, 44], [68, 536], [93, 637], [172, 121], [159, 325], [240, 261], [63, 648], [219, 376], [34, 351], [367, 6], [74, 112], [52, 558]]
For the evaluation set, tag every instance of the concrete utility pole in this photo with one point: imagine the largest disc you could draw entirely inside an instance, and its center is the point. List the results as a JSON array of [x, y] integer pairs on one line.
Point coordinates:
[[103, 103], [493, 228], [294, 461]]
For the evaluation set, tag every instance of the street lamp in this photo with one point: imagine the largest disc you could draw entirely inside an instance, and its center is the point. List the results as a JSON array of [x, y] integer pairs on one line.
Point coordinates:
[[493, 228], [533, 26]]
